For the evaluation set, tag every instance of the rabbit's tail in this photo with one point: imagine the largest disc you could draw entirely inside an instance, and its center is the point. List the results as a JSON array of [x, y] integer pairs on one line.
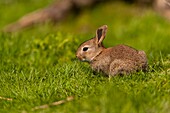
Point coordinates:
[[143, 60]]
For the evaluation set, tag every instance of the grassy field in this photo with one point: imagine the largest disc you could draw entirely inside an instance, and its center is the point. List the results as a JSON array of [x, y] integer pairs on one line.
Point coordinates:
[[38, 65]]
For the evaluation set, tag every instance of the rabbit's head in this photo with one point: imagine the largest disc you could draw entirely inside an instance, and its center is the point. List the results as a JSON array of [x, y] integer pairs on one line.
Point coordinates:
[[88, 50]]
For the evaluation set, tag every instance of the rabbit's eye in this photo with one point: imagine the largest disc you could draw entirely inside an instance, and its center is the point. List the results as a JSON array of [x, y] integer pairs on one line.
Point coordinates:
[[85, 48]]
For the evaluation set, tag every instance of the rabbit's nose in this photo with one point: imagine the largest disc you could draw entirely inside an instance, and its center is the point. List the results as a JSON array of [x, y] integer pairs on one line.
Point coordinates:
[[77, 55]]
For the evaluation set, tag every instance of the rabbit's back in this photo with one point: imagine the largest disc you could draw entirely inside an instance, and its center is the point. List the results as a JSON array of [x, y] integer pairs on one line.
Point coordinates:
[[120, 59], [123, 52], [135, 58]]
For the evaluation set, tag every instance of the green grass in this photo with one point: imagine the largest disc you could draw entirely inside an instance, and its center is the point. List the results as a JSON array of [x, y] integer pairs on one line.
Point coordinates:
[[38, 65]]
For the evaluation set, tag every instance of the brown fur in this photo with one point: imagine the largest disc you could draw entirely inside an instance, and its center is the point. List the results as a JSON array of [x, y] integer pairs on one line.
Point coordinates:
[[120, 59]]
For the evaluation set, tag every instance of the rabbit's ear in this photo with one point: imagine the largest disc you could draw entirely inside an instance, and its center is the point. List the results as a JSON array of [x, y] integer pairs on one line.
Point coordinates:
[[100, 34]]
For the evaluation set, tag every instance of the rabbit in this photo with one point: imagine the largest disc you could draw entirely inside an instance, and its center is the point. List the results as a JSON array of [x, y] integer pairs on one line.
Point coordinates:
[[117, 60]]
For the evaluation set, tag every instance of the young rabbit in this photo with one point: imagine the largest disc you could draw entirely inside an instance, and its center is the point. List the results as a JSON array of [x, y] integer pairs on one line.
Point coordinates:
[[117, 60]]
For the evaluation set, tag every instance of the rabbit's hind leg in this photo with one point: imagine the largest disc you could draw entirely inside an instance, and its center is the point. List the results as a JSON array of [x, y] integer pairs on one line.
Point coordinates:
[[120, 67]]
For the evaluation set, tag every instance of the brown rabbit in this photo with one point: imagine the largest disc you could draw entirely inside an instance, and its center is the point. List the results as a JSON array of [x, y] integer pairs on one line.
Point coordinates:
[[117, 60]]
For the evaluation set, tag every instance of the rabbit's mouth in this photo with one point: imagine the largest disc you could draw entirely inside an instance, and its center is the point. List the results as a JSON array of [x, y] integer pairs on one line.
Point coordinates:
[[80, 57], [83, 59]]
